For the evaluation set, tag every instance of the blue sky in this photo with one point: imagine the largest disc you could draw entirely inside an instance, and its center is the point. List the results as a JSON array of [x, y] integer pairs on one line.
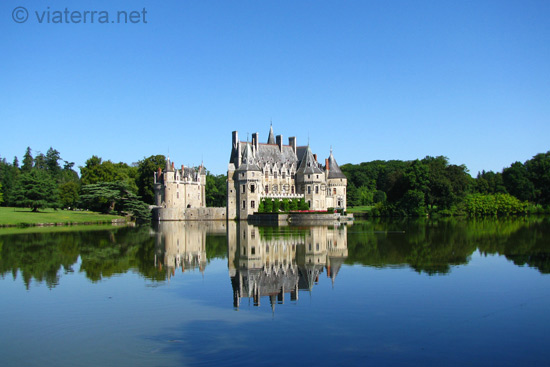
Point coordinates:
[[469, 80]]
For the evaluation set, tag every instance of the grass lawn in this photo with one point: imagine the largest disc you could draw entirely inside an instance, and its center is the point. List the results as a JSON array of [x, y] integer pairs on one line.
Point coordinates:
[[22, 217], [359, 209]]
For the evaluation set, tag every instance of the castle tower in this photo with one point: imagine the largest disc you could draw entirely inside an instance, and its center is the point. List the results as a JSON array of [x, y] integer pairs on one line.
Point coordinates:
[[336, 184], [247, 179], [310, 181]]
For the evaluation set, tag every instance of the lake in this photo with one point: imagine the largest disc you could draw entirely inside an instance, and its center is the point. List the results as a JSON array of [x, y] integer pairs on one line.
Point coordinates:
[[374, 293]]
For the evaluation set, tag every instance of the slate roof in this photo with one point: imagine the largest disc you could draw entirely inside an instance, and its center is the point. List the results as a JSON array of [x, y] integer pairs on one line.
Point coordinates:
[[271, 137], [334, 169], [308, 164], [248, 163]]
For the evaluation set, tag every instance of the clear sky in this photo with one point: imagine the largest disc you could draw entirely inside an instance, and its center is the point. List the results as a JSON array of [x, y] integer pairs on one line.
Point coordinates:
[[376, 80]]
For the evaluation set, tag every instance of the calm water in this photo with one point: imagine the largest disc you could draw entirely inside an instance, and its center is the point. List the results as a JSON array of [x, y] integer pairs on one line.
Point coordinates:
[[400, 293]]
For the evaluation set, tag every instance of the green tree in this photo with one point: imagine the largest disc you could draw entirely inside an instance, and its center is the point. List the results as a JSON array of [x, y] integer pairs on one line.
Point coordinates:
[[28, 161], [36, 190], [144, 180], [114, 197], [1, 194], [517, 183], [215, 190], [538, 169], [51, 161], [68, 194], [96, 170]]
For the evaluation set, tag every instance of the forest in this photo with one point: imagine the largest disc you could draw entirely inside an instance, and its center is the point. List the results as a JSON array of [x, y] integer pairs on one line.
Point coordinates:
[[431, 186], [428, 186]]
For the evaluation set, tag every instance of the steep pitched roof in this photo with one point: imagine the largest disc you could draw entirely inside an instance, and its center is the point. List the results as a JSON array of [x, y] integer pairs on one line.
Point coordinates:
[[308, 164], [248, 163], [271, 154], [271, 137], [334, 170]]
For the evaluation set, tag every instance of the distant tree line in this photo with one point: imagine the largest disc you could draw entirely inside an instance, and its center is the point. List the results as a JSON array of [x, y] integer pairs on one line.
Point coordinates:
[[433, 186], [48, 181]]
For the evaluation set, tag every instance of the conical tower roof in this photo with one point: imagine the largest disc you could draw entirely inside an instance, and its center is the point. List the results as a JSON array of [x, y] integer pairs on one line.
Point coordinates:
[[334, 170], [308, 164], [271, 137]]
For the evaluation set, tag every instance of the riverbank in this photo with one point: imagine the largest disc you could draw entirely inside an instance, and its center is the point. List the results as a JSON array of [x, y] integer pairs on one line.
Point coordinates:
[[22, 217]]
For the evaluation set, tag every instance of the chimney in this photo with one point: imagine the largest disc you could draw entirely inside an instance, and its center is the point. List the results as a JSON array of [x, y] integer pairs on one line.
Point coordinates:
[[315, 157], [255, 141], [235, 135], [326, 166], [280, 142], [292, 143]]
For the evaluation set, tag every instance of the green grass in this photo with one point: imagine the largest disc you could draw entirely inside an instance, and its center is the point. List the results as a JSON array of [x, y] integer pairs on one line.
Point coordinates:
[[25, 217], [359, 209]]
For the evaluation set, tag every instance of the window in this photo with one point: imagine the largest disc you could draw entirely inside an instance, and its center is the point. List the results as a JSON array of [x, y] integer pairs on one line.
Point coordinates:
[[334, 191], [284, 175], [292, 176], [244, 204], [317, 176], [252, 188], [177, 195], [266, 174], [308, 189], [244, 189], [308, 176], [252, 204], [253, 250], [316, 189], [266, 189], [292, 189], [275, 174]]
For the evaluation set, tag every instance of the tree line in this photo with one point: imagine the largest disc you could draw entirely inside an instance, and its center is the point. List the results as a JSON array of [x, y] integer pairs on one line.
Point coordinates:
[[432, 185], [49, 181], [427, 186]]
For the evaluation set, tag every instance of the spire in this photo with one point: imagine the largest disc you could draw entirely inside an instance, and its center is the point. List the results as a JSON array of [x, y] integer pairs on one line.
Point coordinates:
[[334, 169], [271, 137], [169, 167]]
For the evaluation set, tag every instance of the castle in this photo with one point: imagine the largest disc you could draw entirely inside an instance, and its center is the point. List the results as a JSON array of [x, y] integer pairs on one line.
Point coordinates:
[[180, 195], [275, 171], [180, 188]]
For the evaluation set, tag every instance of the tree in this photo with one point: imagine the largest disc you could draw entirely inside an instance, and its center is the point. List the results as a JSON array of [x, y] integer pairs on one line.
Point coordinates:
[[68, 194], [96, 170], [114, 197], [51, 163], [216, 190], [1, 194], [538, 169], [36, 190], [145, 170], [517, 182], [28, 161]]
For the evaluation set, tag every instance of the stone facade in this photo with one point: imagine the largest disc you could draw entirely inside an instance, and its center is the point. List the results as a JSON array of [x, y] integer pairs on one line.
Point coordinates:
[[180, 195], [277, 171]]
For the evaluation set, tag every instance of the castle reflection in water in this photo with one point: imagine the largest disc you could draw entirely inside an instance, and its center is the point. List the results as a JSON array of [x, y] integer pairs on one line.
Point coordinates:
[[263, 262]]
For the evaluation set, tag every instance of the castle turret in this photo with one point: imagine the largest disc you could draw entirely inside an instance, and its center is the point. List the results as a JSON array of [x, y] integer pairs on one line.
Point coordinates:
[[248, 179], [310, 180], [336, 184]]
